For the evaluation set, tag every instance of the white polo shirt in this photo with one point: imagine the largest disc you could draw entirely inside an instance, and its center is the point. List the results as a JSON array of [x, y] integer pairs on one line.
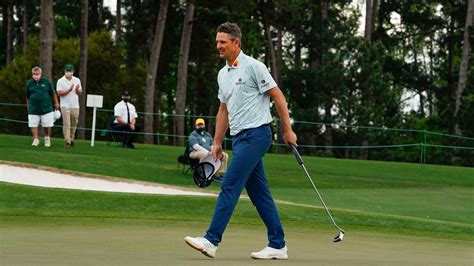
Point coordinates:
[[70, 100], [120, 109], [242, 88]]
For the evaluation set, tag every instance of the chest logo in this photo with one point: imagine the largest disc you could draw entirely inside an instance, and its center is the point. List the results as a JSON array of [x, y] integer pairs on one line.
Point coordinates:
[[240, 82]]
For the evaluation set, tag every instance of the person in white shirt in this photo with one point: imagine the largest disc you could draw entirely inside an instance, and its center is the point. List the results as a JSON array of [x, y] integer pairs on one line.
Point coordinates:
[[69, 89], [125, 120]]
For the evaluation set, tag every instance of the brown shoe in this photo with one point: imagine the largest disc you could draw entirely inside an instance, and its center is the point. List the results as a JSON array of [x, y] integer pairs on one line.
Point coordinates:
[[67, 145], [72, 144]]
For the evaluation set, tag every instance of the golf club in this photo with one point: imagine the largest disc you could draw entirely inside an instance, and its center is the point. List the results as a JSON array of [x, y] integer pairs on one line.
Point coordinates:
[[340, 236]]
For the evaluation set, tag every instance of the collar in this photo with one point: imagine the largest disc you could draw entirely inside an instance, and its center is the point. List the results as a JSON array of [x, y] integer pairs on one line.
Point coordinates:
[[238, 60]]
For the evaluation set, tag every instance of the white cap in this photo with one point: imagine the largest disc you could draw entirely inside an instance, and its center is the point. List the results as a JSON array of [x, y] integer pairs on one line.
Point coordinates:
[[57, 114], [216, 165]]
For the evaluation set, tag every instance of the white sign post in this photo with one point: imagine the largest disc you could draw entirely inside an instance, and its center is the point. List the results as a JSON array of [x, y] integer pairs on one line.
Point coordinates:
[[94, 101]]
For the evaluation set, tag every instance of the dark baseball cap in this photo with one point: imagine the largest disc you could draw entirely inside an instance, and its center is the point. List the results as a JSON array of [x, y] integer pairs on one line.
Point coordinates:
[[126, 93]]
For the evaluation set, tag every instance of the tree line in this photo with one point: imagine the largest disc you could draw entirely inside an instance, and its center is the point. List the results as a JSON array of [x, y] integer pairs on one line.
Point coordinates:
[[332, 74]]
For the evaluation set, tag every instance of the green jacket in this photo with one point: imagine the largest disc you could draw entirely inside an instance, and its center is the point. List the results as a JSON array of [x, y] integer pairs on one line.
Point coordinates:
[[39, 94]]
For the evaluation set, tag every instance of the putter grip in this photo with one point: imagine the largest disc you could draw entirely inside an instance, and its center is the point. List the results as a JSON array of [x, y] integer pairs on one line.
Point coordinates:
[[297, 155]]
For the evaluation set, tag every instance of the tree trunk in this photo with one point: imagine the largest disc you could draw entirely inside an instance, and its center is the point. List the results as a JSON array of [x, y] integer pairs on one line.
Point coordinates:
[[26, 20], [265, 8], [151, 72], [147, 6], [316, 42], [83, 67], [271, 51], [298, 44], [328, 133], [9, 33], [370, 14], [4, 25], [183, 72], [279, 55], [100, 13], [54, 29], [118, 22], [420, 89], [422, 103], [46, 38], [466, 48], [450, 71], [328, 91], [374, 14]]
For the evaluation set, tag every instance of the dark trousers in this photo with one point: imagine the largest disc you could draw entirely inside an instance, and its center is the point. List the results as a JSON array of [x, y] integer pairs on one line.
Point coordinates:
[[128, 136], [246, 170]]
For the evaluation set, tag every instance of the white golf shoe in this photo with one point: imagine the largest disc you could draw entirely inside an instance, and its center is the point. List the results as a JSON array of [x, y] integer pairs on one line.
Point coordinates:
[[202, 245], [47, 142], [35, 143], [269, 253]]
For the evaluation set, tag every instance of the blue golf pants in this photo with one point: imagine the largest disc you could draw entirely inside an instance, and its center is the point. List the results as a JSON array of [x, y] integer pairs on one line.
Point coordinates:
[[246, 170]]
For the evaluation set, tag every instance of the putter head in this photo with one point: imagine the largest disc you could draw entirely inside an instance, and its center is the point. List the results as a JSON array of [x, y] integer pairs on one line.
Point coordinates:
[[339, 237]]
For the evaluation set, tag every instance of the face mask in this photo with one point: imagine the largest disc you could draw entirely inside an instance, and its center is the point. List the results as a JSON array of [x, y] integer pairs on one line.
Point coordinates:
[[68, 74], [199, 130]]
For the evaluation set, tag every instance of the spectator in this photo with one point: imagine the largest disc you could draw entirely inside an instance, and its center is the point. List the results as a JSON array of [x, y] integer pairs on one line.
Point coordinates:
[[125, 120], [69, 88], [39, 93], [200, 145]]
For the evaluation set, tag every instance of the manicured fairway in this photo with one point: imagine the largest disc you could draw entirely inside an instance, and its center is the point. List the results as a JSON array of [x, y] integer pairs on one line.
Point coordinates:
[[394, 213], [91, 241]]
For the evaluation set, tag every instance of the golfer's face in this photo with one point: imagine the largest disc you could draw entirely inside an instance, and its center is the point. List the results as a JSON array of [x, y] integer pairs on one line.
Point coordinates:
[[225, 45]]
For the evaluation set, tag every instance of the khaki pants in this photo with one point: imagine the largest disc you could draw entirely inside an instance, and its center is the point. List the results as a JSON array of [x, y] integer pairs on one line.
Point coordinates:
[[70, 118], [201, 154]]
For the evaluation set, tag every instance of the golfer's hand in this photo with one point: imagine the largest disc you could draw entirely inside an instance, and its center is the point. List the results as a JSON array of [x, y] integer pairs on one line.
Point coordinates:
[[56, 106], [289, 137], [78, 88], [217, 151]]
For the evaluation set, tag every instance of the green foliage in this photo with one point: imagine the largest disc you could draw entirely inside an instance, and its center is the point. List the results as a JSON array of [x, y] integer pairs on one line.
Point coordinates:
[[65, 51], [13, 77], [329, 73]]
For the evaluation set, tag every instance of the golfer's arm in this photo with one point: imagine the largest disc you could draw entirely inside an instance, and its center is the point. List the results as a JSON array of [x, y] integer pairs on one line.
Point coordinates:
[[282, 109], [222, 124]]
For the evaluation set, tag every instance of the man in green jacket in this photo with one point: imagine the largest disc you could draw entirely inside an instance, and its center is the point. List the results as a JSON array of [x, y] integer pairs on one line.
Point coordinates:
[[39, 93]]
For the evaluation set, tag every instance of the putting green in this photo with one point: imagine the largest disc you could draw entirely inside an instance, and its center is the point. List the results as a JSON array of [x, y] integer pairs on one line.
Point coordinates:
[[94, 241]]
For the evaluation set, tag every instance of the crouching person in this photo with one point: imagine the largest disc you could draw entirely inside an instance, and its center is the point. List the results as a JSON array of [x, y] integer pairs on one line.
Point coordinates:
[[125, 120]]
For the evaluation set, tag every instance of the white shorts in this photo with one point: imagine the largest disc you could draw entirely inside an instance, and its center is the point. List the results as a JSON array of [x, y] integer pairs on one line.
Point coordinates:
[[46, 120]]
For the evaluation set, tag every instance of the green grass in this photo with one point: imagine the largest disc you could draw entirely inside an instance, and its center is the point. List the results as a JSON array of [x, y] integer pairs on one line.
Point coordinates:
[[397, 198]]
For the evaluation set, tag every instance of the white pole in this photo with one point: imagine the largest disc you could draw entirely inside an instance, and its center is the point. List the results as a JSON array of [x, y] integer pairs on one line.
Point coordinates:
[[93, 127]]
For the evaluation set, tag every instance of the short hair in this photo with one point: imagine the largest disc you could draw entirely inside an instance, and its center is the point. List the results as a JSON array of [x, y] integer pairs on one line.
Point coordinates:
[[230, 28], [36, 68]]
